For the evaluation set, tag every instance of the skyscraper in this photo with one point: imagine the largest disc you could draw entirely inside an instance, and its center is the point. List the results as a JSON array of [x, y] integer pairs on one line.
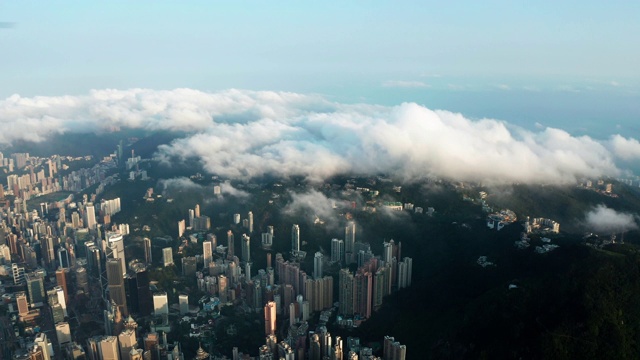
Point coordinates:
[[61, 280], [349, 241], [246, 248], [116, 284], [148, 258], [317, 265], [295, 238], [346, 292], [167, 256], [90, 216], [270, 318], [109, 348], [337, 250], [207, 253], [250, 220], [22, 303], [160, 303], [115, 243], [35, 287], [230, 241], [128, 341], [183, 300]]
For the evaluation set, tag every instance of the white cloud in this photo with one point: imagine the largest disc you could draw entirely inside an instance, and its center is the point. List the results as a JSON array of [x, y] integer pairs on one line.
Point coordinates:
[[242, 134], [625, 148], [228, 189], [311, 205], [404, 84], [606, 220]]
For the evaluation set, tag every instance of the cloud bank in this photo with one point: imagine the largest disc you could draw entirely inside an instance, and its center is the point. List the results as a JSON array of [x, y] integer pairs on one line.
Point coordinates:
[[606, 220], [244, 134]]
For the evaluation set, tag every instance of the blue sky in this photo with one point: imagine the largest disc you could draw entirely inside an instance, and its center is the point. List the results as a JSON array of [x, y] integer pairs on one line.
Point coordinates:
[[489, 58]]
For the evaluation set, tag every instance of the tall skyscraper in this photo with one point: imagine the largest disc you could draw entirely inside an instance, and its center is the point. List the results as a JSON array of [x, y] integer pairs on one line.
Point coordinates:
[[109, 348], [349, 241], [115, 243], [160, 303], [128, 341], [317, 265], [183, 300], [35, 288], [346, 293], [230, 241], [270, 318], [116, 284], [22, 302], [145, 299], [246, 248], [63, 257], [337, 250], [207, 253], [148, 258], [167, 256], [90, 216], [61, 280], [63, 333], [250, 219], [295, 238], [196, 210]]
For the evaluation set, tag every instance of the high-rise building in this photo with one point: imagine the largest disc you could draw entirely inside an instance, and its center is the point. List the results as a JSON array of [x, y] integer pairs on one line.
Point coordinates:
[[147, 251], [128, 341], [183, 300], [346, 292], [230, 246], [18, 274], [270, 318], [192, 215], [349, 241], [22, 302], [207, 253], [250, 218], [337, 250], [181, 228], [63, 333], [109, 348], [404, 273], [189, 266], [82, 279], [160, 303], [295, 238], [363, 291], [115, 243], [167, 256], [61, 280], [145, 299], [63, 257], [393, 350], [317, 265], [35, 288], [116, 284], [90, 216], [45, 344], [196, 210], [246, 248]]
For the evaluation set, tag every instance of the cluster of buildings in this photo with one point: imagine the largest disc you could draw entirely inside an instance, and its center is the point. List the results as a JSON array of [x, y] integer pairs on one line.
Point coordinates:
[[65, 253]]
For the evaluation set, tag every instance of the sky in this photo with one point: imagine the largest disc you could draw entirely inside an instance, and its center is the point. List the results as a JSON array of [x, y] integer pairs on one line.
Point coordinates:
[[537, 69]]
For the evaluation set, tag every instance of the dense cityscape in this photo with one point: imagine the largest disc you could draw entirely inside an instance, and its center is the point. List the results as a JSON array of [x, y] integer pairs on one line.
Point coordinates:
[[64, 263]]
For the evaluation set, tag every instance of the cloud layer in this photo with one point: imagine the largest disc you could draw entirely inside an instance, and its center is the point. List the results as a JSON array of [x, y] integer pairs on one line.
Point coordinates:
[[606, 220], [243, 134]]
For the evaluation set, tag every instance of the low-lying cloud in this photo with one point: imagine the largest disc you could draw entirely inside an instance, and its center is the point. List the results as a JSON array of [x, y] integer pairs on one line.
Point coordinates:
[[244, 134], [603, 219]]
